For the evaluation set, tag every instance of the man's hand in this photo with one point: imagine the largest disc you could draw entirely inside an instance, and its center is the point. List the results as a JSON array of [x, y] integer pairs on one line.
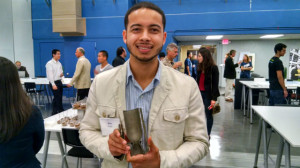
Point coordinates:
[[150, 159], [117, 145], [240, 62], [177, 64], [62, 74], [285, 93], [54, 87], [68, 85]]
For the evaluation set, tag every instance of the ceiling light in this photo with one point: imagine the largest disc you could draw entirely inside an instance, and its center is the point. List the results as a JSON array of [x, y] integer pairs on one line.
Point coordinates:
[[272, 36], [216, 37], [196, 46]]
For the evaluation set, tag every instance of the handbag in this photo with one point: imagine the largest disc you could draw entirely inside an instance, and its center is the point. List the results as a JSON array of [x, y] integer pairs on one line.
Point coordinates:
[[216, 109]]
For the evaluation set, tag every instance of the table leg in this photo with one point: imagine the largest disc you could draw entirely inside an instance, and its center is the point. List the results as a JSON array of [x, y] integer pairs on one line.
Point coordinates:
[[243, 100], [62, 151], [46, 147], [258, 143], [264, 131], [279, 154], [287, 154], [250, 106], [47, 93]]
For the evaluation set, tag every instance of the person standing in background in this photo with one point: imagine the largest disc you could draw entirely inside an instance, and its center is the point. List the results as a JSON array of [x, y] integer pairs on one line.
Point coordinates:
[[120, 58], [208, 82], [230, 75], [172, 52], [246, 67], [82, 77], [22, 129], [195, 66], [104, 65], [21, 68], [188, 64], [54, 73], [278, 91]]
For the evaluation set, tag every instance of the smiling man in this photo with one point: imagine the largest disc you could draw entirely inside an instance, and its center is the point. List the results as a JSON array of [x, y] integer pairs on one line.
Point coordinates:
[[175, 120]]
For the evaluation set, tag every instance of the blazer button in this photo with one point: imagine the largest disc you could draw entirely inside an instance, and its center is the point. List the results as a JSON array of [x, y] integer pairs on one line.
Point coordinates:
[[104, 114], [177, 117]]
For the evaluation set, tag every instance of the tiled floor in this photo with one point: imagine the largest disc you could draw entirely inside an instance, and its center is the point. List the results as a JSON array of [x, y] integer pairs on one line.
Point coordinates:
[[232, 143]]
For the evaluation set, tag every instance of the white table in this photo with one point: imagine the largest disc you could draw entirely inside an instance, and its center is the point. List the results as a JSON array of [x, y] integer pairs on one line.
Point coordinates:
[[52, 126], [44, 82], [259, 85], [285, 121]]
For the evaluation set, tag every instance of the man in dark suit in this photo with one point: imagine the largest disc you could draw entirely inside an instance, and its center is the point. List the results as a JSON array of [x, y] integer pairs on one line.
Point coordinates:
[[21, 68], [120, 58]]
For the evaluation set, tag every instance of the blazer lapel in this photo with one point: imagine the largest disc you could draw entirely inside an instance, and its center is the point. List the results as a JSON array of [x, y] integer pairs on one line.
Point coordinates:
[[160, 93], [119, 92]]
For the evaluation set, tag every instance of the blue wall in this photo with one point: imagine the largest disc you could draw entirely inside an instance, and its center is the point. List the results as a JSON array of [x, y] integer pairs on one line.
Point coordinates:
[[190, 17]]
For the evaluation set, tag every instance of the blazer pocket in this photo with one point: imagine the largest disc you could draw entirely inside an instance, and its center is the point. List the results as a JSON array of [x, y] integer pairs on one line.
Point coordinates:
[[106, 111], [176, 115]]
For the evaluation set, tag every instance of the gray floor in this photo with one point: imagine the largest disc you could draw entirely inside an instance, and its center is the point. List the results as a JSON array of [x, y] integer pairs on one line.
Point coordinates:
[[232, 143]]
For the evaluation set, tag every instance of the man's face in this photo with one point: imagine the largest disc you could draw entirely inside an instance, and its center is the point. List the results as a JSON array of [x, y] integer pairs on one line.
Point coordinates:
[[173, 53], [18, 65], [77, 53], [101, 58], [282, 52], [56, 56], [145, 35]]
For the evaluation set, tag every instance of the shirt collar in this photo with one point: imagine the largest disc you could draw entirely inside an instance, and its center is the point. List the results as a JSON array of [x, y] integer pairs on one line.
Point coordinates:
[[129, 74], [54, 60], [81, 57]]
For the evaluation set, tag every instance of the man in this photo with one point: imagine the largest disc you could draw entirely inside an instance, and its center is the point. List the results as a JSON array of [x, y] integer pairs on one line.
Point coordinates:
[[120, 58], [188, 64], [21, 68], [230, 75], [176, 124], [172, 52], [278, 91], [195, 66], [54, 74], [104, 65], [82, 77]]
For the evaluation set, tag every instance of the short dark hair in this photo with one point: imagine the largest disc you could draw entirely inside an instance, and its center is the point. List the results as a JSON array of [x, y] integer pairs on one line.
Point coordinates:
[[104, 52], [120, 50], [162, 55], [147, 5], [279, 47], [54, 51]]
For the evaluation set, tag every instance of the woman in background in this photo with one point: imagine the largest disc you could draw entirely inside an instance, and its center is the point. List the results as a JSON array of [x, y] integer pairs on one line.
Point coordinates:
[[21, 123], [246, 67], [208, 82]]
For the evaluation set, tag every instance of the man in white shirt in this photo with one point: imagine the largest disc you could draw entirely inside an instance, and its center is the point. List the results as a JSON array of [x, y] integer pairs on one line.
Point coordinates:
[[54, 73], [104, 65]]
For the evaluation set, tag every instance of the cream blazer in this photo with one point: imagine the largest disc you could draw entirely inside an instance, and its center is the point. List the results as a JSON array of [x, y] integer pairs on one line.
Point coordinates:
[[177, 122], [82, 75]]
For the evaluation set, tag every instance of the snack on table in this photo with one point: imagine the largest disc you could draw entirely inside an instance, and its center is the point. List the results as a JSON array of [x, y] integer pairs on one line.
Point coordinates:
[[64, 123], [76, 105], [77, 124]]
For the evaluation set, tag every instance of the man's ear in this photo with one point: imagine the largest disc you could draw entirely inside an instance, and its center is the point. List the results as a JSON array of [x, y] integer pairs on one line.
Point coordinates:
[[124, 36]]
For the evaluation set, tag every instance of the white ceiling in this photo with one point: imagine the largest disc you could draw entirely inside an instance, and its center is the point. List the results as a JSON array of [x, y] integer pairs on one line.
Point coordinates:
[[234, 37]]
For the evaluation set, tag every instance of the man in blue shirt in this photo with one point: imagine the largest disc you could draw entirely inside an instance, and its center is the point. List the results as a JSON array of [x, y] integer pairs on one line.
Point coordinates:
[[188, 64], [175, 120]]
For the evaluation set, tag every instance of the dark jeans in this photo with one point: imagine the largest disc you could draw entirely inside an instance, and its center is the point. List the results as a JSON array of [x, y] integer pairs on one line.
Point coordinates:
[[276, 97], [57, 100], [82, 93], [208, 113]]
